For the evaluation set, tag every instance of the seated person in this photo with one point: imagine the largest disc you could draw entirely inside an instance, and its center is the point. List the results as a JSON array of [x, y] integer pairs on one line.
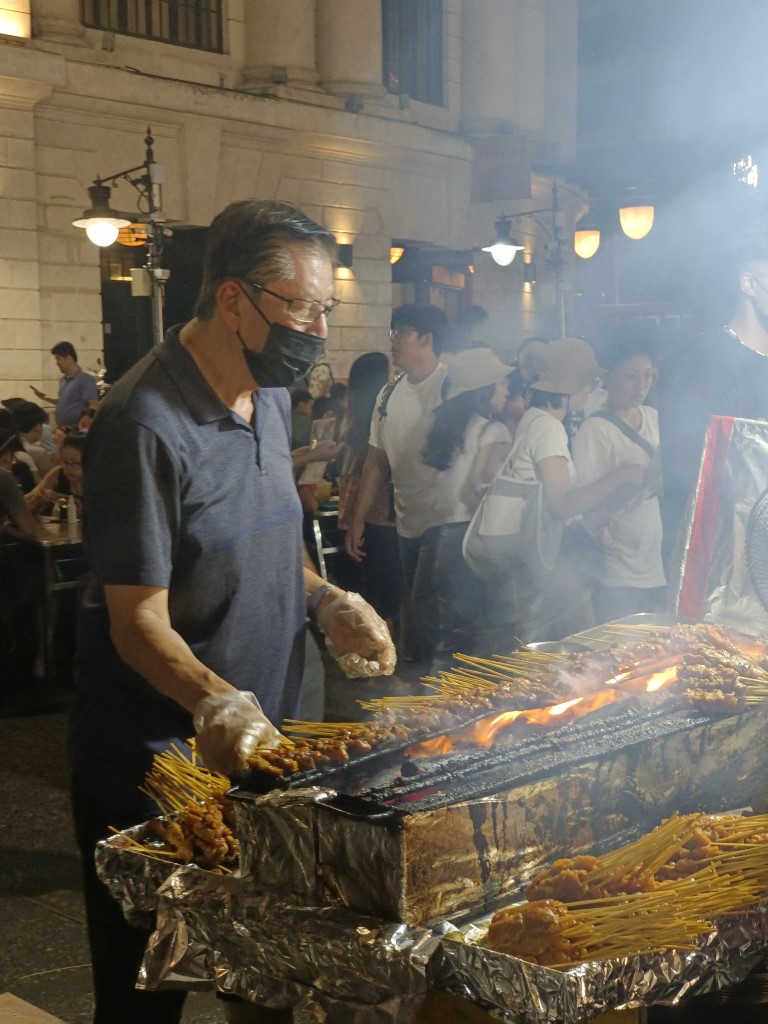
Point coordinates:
[[30, 420], [22, 464], [16, 521], [63, 480]]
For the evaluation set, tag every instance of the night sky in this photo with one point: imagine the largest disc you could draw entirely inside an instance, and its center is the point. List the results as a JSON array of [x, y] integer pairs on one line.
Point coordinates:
[[671, 93]]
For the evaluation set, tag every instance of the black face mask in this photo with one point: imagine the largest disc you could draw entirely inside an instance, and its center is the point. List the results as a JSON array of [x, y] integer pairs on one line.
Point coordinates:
[[287, 356]]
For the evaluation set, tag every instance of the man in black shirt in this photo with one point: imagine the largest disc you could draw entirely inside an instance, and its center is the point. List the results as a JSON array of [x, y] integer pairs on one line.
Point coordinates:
[[725, 373]]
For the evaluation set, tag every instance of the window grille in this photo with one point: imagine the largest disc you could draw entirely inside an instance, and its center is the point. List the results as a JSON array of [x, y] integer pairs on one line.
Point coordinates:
[[412, 49], [193, 23]]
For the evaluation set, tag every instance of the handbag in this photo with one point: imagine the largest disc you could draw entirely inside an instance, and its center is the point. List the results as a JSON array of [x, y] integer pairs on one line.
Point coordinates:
[[512, 527]]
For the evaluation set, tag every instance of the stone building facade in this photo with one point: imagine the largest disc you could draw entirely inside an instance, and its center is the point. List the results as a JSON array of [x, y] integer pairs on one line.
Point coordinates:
[[295, 106]]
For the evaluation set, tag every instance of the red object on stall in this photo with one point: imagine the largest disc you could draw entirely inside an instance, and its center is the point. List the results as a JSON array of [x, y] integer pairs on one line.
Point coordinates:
[[706, 513]]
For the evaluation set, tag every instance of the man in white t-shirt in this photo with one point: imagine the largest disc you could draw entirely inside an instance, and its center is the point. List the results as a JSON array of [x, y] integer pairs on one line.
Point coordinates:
[[401, 421]]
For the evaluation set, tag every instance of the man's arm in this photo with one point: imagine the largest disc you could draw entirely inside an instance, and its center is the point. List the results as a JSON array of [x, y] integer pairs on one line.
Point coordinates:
[[42, 395], [141, 630], [375, 470]]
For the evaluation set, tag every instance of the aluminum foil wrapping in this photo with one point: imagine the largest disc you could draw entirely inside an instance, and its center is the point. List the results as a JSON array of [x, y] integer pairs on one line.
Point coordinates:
[[518, 992], [713, 581], [277, 832], [132, 878], [269, 950]]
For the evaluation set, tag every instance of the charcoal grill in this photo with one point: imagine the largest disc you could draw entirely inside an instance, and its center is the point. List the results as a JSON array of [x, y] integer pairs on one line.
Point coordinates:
[[417, 841]]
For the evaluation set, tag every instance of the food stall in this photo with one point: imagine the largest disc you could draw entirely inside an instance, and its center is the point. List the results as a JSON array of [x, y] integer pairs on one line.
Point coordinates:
[[372, 858]]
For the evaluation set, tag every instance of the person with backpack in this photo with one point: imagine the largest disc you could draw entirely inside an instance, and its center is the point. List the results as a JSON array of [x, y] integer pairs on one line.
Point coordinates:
[[631, 575], [401, 420]]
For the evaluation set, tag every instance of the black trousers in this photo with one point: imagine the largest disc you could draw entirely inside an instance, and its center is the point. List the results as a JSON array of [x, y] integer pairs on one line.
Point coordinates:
[[117, 948]]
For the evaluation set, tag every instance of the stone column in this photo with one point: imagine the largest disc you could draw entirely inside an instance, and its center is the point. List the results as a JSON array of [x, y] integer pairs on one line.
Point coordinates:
[[280, 44], [528, 56], [349, 47], [26, 78], [58, 21], [488, 74]]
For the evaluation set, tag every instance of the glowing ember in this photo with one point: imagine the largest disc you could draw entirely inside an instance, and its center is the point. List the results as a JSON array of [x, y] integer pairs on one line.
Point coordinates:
[[661, 679]]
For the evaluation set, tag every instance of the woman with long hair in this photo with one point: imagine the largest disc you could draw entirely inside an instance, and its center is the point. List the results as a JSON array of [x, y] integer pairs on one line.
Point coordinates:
[[378, 577], [468, 445]]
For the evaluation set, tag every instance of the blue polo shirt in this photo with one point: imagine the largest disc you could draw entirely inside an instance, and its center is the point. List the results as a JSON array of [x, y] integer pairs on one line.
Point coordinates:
[[183, 494], [75, 393]]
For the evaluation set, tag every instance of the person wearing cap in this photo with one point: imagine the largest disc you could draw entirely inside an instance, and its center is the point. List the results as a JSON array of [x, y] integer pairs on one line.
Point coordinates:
[[550, 606], [467, 445], [400, 423]]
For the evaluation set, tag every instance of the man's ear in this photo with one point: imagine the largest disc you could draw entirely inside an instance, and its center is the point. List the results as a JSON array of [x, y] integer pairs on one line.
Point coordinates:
[[426, 339], [747, 282], [229, 298]]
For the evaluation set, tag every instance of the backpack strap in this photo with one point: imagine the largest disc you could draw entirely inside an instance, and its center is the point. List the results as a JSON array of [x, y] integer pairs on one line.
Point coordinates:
[[386, 394], [626, 430]]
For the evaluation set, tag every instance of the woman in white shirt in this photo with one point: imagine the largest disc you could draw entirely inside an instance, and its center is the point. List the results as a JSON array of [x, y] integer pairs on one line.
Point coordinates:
[[550, 605], [631, 577], [467, 445]]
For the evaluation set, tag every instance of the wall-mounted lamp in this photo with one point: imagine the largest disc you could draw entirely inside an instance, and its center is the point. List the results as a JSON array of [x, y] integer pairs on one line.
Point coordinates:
[[529, 272], [15, 18], [636, 221], [586, 242], [503, 248], [396, 253], [344, 254], [102, 224]]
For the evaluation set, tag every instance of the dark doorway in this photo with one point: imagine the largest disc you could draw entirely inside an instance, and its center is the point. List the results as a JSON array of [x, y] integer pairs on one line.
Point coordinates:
[[128, 318]]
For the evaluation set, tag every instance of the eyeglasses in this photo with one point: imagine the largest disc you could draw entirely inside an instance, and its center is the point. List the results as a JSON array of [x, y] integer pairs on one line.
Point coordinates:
[[303, 311], [70, 464], [396, 333]]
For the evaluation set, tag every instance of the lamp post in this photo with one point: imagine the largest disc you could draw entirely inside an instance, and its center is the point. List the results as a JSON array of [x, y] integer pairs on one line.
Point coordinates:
[[102, 224], [504, 248]]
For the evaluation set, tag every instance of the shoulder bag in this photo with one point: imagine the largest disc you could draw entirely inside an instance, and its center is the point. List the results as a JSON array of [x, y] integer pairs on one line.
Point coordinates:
[[512, 526]]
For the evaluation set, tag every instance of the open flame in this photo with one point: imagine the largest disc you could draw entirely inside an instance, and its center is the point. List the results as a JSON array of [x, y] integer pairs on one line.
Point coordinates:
[[485, 732]]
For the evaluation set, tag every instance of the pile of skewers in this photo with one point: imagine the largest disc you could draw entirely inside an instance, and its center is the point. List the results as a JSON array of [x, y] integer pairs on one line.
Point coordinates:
[[197, 817], [700, 665], [662, 891]]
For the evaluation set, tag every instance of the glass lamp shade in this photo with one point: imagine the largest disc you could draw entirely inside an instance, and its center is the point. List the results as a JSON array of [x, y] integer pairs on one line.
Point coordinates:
[[636, 221], [503, 252], [503, 248], [102, 232], [586, 242]]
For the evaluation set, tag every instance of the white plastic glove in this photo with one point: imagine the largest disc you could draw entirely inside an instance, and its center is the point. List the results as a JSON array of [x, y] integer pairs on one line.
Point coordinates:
[[229, 727], [356, 636]]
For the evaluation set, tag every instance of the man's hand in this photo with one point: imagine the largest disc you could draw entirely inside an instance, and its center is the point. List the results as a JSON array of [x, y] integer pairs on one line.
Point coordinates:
[[353, 540], [356, 636], [41, 394], [229, 727]]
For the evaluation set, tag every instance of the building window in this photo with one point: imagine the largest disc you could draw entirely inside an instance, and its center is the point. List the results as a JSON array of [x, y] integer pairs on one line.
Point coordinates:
[[412, 58], [194, 23]]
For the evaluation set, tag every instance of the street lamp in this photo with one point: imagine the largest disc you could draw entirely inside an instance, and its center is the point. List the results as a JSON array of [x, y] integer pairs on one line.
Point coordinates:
[[504, 248], [102, 224]]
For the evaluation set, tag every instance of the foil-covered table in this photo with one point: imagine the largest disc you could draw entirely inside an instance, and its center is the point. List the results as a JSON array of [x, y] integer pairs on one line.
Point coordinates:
[[235, 935]]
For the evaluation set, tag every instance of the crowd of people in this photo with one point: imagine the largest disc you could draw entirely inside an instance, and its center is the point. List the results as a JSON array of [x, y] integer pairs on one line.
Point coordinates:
[[196, 473]]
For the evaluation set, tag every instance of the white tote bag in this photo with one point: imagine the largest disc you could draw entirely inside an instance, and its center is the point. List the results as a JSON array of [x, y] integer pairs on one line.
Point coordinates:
[[512, 526]]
